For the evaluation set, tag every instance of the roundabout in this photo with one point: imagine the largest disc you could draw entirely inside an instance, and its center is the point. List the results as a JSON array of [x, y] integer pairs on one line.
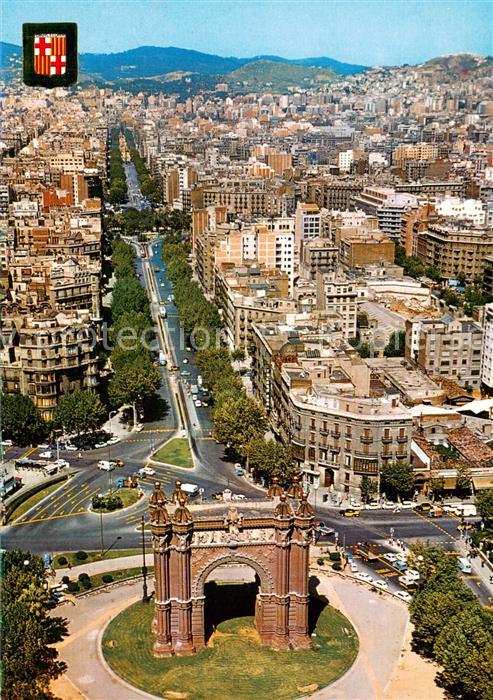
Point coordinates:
[[234, 664]]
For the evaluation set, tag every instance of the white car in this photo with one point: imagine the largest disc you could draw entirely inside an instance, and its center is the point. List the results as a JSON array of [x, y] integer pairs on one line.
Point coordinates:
[[390, 505], [373, 505], [61, 463], [390, 557], [105, 465], [403, 595], [198, 403], [48, 454], [113, 440], [7, 443], [363, 576], [353, 567], [412, 574], [381, 584], [43, 446], [100, 444], [147, 471], [71, 448], [238, 497]]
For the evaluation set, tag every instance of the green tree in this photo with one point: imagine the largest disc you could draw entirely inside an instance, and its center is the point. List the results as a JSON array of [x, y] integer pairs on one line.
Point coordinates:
[[397, 479], [238, 355], [431, 611], [81, 412], [368, 488], [128, 296], [21, 420], [268, 459], [396, 345], [464, 648], [29, 660], [484, 502], [238, 421], [131, 385]]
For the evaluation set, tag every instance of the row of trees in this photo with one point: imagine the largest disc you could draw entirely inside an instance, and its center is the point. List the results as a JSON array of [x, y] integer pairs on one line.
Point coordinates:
[[118, 185], [451, 627], [414, 267], [239, 421], [150, 188], [395, 347], [198, 316], [135, 378], [76, 414], [29, 630]]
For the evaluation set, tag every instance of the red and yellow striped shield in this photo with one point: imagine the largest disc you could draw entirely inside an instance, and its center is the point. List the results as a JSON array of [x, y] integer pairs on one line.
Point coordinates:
[[50, 54]]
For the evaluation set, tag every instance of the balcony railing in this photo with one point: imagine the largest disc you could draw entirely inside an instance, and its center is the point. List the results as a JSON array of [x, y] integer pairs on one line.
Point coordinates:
[[366, 439], [386, 439]]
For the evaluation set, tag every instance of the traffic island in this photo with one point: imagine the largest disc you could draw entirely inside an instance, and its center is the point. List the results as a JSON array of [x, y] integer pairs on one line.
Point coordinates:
[[116, 500], [176, 452], [234, 664]]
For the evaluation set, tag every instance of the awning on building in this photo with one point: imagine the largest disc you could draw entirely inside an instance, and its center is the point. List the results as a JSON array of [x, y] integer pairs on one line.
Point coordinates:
[[449, 482], [483, 482]]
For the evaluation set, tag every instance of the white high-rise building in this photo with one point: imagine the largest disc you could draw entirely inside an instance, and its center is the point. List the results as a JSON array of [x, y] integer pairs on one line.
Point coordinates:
[[345, 160], [487, 351]]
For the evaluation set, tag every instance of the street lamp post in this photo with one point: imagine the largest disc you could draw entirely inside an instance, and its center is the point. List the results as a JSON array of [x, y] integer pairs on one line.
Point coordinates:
[[101, 533], [145, 597]]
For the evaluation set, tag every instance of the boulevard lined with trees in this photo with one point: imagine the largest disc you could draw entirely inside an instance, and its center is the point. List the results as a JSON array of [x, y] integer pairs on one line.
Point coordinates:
[[239, 420]]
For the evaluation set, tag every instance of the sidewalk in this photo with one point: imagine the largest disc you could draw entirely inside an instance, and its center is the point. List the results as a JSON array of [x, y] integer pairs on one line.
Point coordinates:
[[100, 567]]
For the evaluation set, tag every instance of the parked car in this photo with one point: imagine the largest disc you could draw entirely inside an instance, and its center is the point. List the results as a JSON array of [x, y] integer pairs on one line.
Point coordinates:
[[390, 557], [389, 505], [238, 497], [363, 576], [113, 440], [71, 448], [372, 505], [412, 574], [403, 595], [47, 454], [198, 403], [239, 471], [98, 445], [174, 368], [7, 443], [186, 360], [381, 584], [43, 446], [354, 567]]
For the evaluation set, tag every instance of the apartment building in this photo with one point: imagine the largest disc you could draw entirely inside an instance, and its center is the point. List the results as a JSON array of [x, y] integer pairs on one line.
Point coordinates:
[[317, 398], [487, 350], [317, 254], [455, 248], [247, 295], [446, 347], [48, 355], [337, 295], [307, 222]]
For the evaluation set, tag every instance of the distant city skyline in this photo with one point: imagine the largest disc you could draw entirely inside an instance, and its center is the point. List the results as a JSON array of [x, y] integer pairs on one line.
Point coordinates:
[[369, 32]]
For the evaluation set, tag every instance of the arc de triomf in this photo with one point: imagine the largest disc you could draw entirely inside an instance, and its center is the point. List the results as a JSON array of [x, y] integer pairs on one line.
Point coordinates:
[[187, 550]]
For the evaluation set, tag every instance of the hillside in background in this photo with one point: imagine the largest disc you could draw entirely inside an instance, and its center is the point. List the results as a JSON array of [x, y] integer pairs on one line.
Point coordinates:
[[277, 76]]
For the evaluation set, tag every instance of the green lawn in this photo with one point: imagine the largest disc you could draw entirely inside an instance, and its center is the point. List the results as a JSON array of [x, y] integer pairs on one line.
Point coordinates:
[[176, 452], [234, 665], [93, 556], [34, 500]]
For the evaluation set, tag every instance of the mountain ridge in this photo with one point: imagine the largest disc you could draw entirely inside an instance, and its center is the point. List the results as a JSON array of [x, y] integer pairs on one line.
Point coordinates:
[[144, 61]]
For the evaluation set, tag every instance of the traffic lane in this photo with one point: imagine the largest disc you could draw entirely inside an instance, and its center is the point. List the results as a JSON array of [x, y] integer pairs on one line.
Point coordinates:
[[382, 525]]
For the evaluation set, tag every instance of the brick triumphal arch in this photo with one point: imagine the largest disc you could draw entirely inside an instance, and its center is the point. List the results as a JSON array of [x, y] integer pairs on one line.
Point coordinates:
[[187, 549]]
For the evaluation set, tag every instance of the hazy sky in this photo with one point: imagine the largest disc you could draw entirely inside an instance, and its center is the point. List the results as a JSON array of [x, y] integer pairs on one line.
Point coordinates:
[[367, 31]]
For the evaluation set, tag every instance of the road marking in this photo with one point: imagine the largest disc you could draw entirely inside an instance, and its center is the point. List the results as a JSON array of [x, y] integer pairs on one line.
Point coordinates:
[[29, 452], [53, 499], [438, 527], [88, 496], [51, 517]]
